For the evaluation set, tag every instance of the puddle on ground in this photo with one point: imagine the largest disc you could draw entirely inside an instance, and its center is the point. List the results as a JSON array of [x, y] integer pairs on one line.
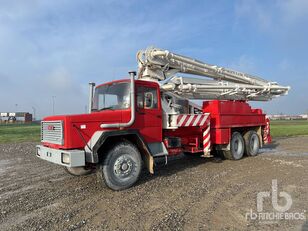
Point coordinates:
[[273, 151], [267, 150]]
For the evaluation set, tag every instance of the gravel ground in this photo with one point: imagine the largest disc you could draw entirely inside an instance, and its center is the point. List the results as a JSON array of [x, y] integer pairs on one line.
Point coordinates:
[[187, 194]]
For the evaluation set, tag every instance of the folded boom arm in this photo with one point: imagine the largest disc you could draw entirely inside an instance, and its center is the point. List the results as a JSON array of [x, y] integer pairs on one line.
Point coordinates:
[[161, 65]]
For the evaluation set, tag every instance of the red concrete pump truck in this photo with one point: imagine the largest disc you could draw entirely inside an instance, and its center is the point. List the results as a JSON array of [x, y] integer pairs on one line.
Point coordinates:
[[131, 122]]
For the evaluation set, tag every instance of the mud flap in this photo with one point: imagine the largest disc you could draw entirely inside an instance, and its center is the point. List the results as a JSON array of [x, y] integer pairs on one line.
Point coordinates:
[[259, 132], [149, 162]]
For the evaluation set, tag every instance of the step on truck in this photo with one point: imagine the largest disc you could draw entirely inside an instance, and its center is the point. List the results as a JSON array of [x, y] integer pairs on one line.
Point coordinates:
[[157, 113]]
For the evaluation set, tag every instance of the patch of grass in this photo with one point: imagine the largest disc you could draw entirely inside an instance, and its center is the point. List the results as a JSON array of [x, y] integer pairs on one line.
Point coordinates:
[[285, 128], [14, 133]]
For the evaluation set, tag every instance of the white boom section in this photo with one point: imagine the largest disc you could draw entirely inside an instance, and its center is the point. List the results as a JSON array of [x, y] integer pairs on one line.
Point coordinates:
[[161, 65]]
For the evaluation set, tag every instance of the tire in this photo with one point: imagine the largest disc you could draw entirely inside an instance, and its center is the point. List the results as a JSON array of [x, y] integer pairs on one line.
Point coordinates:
[[78, 171], [237, 147], [252, 143], [121, 167]]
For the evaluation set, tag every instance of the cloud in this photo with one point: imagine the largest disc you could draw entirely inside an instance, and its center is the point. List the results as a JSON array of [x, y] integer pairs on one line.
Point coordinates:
[[293, 10], [244, 63], [254, 11], [50, 48], [17, 9], [60, 80], [56, 47], [4, 80], [272, 16]]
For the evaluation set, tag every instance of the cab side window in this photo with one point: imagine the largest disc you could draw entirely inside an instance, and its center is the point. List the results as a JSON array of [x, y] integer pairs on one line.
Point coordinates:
[[147, 98]]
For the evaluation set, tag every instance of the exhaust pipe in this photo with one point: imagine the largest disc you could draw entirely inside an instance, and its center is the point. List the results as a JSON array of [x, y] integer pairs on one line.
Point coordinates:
[[91, 92], [132, 75]]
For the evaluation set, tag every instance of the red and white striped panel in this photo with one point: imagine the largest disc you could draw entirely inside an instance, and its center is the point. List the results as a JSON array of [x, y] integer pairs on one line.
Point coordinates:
[[187, 120], [207, 139], [266, 131]]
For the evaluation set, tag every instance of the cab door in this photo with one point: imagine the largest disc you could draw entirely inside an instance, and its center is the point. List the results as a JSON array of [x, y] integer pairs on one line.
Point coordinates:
[[148, 112]]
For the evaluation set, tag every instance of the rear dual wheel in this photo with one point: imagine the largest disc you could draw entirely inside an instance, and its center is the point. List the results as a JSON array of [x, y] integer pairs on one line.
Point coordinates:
[[237, 147], [248, 144], [252, 143]]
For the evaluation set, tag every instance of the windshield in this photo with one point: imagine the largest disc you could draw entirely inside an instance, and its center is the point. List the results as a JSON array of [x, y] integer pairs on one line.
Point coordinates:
[[112, 96]]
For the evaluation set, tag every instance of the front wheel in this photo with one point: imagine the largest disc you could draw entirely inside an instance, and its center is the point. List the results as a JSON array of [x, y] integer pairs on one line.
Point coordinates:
[[121, 167]]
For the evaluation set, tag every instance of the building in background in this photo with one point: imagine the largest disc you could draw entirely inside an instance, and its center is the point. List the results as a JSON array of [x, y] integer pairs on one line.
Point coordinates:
[[15, 117], [288, 117]]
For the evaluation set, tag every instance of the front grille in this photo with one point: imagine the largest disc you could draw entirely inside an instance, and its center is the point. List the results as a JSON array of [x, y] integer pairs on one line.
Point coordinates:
[[52, 132]]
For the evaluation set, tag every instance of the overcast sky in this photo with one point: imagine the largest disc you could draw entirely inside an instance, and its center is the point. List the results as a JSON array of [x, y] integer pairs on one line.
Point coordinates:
[[54, 48]]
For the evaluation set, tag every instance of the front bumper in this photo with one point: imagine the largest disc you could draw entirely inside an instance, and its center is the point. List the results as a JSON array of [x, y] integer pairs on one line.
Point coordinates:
[[68, 158]]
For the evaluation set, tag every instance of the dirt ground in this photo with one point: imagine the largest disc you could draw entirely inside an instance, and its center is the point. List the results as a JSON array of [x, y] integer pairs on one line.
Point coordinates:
[[187, 194]]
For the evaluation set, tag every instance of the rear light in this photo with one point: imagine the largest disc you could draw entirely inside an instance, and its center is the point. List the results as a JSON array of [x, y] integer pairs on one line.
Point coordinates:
[[66, 159]]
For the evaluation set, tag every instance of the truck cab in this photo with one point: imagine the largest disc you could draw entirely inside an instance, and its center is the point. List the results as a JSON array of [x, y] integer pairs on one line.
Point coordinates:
[[81, 143]]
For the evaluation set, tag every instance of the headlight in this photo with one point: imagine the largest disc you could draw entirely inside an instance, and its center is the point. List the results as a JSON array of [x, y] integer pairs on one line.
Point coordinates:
[[66, 158]]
